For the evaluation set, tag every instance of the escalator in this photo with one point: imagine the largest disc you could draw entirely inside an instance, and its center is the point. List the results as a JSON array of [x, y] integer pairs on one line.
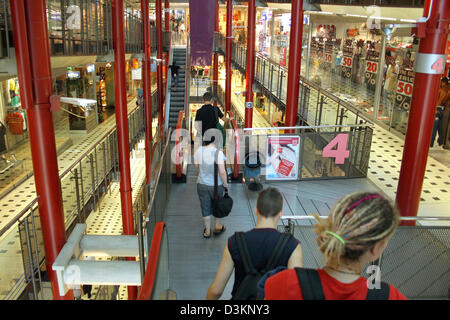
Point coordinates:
[[178, 93]]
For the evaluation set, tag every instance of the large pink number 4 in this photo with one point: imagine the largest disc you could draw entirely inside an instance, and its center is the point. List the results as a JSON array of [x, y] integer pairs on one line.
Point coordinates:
[[340, 153]]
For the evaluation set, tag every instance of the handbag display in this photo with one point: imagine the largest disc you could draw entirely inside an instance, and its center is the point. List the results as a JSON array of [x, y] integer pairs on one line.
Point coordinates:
[[221, 205]]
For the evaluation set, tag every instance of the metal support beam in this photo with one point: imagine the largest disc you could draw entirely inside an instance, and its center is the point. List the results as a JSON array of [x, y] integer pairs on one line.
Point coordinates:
[[120, 89], [228, 48], [216, 56], [147, 84], [250, 71], [430, 64], [159, 70], [30, 29], [295, 59]]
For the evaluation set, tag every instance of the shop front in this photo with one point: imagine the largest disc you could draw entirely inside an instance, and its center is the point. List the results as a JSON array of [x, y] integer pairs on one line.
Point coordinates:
[[13, 120], [78, 82]]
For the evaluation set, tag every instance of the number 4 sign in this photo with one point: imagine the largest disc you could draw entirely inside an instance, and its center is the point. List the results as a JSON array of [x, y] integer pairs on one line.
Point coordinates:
[[340, 153]]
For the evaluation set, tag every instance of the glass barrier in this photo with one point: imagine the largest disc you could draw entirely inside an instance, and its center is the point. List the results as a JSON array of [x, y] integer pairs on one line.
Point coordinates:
[[21, 241], [161, 282], [310, 153]]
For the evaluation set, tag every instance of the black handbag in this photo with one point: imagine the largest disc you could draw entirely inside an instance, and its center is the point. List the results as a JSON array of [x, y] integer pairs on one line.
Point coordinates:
[[221, 205]]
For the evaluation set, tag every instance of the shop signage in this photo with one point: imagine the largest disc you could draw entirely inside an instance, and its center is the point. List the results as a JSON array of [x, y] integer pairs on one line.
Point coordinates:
[[337, 149], [283, 157], [347, 60], [249, 105], [372, 65], [430, 63], [405, 86]]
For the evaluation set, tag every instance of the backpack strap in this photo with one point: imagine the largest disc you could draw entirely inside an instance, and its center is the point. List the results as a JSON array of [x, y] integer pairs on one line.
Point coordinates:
[[310, 284], [216, 170], [245, 255], [379, 294], [277, 252]]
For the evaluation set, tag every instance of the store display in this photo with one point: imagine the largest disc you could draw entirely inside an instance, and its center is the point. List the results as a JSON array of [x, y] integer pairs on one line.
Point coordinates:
[[15, 121]]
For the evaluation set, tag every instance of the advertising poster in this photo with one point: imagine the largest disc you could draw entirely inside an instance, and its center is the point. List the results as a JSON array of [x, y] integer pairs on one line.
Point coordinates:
[[405, 86], [371, 66], [283, 157]]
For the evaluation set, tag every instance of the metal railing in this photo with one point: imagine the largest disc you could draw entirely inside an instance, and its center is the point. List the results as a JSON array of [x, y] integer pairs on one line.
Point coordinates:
[[311, 158], [415, 260], [364, 3], [317, 106], [82, 27], [151, 226], [82, 185]]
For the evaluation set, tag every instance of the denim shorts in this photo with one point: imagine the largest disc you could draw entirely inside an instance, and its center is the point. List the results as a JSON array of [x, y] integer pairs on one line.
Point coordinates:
[[205, 195]]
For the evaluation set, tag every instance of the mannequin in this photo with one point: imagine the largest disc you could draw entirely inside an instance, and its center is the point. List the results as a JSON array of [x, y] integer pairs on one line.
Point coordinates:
[[391, 78]]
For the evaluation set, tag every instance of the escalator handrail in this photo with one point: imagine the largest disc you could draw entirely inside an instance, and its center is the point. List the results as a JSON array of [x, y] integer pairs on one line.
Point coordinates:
[[178, 143], [236, 145], [152, 263], [167, 91]]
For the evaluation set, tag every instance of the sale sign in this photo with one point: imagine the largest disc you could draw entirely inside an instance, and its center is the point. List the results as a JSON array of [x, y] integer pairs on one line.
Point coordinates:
[[405, 86], [372, 65], [347, 60], [283, 157]]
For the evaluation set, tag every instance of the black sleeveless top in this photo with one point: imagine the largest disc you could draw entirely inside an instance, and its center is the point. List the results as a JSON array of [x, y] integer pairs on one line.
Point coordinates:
[[260, 244]]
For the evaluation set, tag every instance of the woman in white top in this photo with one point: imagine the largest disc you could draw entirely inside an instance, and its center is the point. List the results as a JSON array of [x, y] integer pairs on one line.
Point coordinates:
[[204, 163]]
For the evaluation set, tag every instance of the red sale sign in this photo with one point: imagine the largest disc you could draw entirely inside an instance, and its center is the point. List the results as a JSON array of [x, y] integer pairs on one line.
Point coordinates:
[[404, 88]]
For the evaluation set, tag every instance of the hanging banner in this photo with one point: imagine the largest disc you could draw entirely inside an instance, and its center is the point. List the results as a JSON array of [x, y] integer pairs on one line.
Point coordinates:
[[202, 31], [283, 157]]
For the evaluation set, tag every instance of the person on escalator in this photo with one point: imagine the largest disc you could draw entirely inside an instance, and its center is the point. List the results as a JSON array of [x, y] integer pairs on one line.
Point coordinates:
[[204, 158], [175, 76], [208, 116], [253, 253]]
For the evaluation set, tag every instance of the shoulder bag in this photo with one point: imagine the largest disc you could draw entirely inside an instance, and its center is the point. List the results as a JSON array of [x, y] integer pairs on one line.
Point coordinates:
[[222, 205]]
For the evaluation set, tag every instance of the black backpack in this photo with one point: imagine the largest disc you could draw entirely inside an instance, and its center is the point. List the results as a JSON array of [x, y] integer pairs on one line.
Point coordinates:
[[312, 287], [247, 289]]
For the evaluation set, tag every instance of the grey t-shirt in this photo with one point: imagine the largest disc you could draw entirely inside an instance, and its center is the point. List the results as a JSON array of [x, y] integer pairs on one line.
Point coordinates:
[[204, 157]]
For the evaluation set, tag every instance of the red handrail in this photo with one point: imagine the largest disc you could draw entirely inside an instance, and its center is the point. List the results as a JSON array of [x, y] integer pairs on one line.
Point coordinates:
[[152, 264], [178, 143], [236, 145]]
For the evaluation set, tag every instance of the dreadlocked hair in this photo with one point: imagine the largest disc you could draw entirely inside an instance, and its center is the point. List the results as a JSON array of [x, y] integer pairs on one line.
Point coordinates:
[[361, 220]]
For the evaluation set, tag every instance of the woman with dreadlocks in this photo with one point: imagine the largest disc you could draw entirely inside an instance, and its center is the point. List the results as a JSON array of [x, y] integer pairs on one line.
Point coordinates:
[[355, 233]]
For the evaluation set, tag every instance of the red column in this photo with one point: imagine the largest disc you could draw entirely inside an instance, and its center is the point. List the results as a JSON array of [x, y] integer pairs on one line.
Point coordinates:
[[122, 125], [159, 71], [295, 58], [167, 16], [34, 70], [422, 111], [147, 84], [250, 71], [229, 34], [216, 56]]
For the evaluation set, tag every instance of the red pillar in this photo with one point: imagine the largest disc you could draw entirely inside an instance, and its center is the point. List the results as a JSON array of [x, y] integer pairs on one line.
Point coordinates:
[[159, 71], [122, 125], [34, 70], [166, 16], [250, 71], [295, 58], [216, 56], [422, 111], [229, 34], [147, 84]]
